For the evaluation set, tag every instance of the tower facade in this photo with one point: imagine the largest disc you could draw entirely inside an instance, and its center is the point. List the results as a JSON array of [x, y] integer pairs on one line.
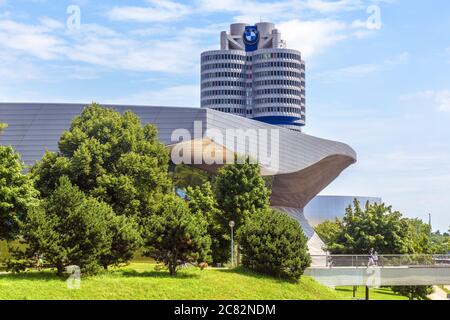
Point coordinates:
[[254, 75]]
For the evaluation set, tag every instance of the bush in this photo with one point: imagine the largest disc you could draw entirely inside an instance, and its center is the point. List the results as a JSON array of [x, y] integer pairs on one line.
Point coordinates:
[[175, 236], [273, 243], [17, 193], [74, 229], [414, 292], [201, 201]]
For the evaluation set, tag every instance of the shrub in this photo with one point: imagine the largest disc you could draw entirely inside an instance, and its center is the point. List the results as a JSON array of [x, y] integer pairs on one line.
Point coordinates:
[[273, 243], [74, 229], [201, 201], [17, 194], [175, 236]]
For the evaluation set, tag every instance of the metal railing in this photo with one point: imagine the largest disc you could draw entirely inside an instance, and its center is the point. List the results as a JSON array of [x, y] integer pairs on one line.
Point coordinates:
[[385, 260]]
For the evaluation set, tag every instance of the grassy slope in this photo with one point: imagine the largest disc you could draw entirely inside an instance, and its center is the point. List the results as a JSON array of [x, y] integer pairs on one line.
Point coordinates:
[[140, 281]]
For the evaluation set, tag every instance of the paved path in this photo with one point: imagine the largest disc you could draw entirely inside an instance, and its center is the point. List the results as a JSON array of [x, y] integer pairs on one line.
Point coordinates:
[[438, 294]]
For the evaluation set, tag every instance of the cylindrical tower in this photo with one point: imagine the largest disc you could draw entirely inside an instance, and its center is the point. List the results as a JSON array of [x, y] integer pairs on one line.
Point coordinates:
[[255, 76], [223, 85], [278, 87], [265, 28]]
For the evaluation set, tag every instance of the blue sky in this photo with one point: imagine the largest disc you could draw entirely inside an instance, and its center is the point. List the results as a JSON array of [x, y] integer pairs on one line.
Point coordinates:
[[383, 89]]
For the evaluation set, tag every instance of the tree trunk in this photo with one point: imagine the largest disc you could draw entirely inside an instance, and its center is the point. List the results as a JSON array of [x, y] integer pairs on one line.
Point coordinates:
[[59, 269], [173, 268]]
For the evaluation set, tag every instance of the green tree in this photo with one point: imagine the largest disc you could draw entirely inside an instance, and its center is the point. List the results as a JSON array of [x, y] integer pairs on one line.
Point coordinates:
[[201, 201], [174, 236], [419, 236], [71, 228], [184, 176], [109, 156], [2, 127], [17, 193], [414, 292], [126, 240], [419, 243], [328, 231], [376, 226], [273, 243], [240, 191], [440, 242]]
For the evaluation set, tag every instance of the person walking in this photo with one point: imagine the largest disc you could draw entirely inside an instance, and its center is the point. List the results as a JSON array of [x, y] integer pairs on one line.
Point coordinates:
[[371, 260], [375, 258]]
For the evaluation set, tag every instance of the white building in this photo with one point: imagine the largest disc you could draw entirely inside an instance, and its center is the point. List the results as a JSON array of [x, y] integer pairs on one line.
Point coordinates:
[[254, 75]]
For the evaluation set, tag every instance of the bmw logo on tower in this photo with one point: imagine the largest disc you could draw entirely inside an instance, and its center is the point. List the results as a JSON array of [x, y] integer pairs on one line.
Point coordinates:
[[255, 76], [251, 38]]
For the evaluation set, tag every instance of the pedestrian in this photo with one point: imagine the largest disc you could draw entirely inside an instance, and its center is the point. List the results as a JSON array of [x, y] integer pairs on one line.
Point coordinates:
[[371, 260], [375, 258]]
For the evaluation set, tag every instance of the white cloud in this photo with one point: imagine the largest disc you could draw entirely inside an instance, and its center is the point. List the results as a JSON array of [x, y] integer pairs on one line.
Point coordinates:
[[102, 46], [277, 9], [50, 23], [312, 37], [165, 50], [157, 11], [181, 95], [442, 99], [119, 51], [439, 98], [244, 10], [32, 40], [334, 6], [363, 70], [13, 69]]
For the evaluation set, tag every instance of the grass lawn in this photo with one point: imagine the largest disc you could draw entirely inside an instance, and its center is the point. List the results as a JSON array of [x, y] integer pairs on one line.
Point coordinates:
[[140, 281]]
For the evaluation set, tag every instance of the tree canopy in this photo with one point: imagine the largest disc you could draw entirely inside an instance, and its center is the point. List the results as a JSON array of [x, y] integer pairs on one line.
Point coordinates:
[[328, 231], [202, 201], [17, 193], [378, 226], [374, 226], [414, 292], [109, 156], [274, 244], [240, 191], [174, 236], [440, 242], [71, 228]]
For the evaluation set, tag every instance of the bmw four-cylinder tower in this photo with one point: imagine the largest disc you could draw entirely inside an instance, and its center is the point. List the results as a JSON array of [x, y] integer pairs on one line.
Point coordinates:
[[254, 75]]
